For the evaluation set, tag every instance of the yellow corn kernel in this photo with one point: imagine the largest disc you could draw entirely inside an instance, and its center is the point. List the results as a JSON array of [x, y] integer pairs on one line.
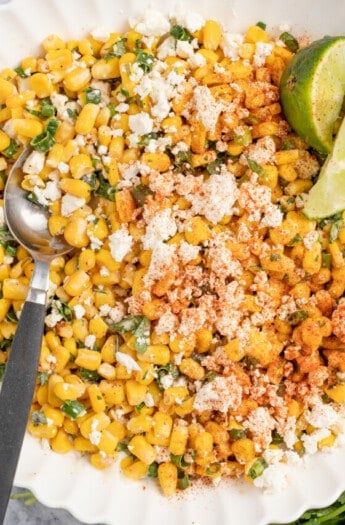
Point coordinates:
[[234, 350], [134, 470], [6, 90], [161, 426], [183, 344], [41, 84], [88, 359], [298, 186], [61, 443], [96, 398], [256, 34], [42, 431], [156, 161], [4, 140], [98, 327], [156, 354], [326, 441], [337, 393], [82, 444], [57, 224], [96, 422], [312, 259], [116, 148], [55, 415], [5, 305], [154, 309], [108, 442], [192, 368], [75, 233], [53, 400], [87, 118], [14, 289], [101, 461], [211, 35], [80, 164], [27, 127], [175, 395], [243, 450], [125, 205], [197, 231], [287, 172], [265, 128], [140, 448], [76, 187], [66, 391], [286, 156], [178, 438], [59, 59], [105, 69], [139, 424], [135, 392], [76, 282], [87, 259], [77, 79], [167, 477]]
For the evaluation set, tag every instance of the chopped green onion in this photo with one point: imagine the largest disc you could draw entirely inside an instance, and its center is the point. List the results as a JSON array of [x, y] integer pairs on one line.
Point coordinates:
[[139, 326], [52, 126], [11, 150], [139, 407], [145, 60], [178, 461], [38, 418], [105, 189], [43, 142], [73, 409], [89, 375], [297, 316], [257, 468], [244, 137], [262, 25], [254, 166], [139, 193], [66, 311], [20, 71], [335, 228], [213, 468], [290, 41], [92, 96], [237, 433], [42, 378], [181, 33], [47, 108], [153, 470], [326, 260], [183, 482]]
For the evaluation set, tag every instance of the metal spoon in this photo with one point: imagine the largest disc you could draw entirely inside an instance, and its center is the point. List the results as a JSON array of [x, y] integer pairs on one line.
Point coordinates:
[[28, 223]]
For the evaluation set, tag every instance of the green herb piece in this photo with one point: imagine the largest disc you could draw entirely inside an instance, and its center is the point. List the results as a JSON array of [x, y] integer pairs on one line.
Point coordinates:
[[92, 96], [38, 418], [295, 240], [11, 316], [183, 482], [112, 109], [139, 407], [290, 41], [288, 144], [72, 113], [277, 439], [139, 326], [47, 108], [145, 139], [183, 161], [181, 33], [254, 166], [43, 142], [123, 447], [65, 311], [144, 60], [89, 375], [153, 470], [90, 179], [179, 461], [27, 497], [139, 193], [214, 166], [296, 317], [105, 189], [237, 433], [326, 260], [11, 150], [20, 72], [244, 137], [213, 468], [169, 369], [335, 228], [262, 25], [42, 378], [52, 126], [257, 468], [275, 257], [7, 241], [2, 371], [32, 197], [119, 48], [73, 409], [5, 343], [250, 362], [210, 376]]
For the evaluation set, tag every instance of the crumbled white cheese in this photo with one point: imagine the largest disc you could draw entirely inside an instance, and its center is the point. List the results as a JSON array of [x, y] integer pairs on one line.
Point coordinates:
[[95, 435], [160, 228], [262, 51], [79, 311], [90, 341], [34, 164], [222, 393], [152, 23], [120, 243], [207, 107], [190, 20], [70, 203], [128, 362], [231, 44], [140, 123]]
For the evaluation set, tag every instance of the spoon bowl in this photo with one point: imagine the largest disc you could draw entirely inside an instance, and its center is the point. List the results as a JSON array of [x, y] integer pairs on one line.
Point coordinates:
[[28, 223]]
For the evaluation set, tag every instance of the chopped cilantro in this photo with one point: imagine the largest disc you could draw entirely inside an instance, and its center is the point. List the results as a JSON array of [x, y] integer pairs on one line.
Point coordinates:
[[181, 33], [297, 316], [11, 150], [20, 72], [92, 96], [139, 193], [290, 41], [38, 418], [65, 311], [42, 378], [105, 189], [144, 60], [261, 24], [139, 326], [73, 409]]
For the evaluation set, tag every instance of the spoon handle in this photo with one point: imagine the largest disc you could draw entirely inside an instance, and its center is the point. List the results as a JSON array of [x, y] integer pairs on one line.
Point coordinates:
[[18, 386]]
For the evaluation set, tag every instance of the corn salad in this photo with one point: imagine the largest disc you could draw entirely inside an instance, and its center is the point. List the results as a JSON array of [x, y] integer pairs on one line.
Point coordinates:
[[198, 326]]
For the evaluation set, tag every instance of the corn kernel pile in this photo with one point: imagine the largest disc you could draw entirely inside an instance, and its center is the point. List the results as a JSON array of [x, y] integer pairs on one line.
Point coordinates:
[[198, 324]]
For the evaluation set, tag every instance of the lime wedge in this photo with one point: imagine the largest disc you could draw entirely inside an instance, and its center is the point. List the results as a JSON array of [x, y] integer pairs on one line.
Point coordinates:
[[312, 91], [327, 196]]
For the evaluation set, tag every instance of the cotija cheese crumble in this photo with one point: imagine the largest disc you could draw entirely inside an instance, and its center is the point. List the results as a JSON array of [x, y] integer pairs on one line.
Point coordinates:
[[198, 325]]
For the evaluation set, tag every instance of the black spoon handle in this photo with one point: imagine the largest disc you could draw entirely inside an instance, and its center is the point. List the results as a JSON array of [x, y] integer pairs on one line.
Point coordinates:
[[16, 394]]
